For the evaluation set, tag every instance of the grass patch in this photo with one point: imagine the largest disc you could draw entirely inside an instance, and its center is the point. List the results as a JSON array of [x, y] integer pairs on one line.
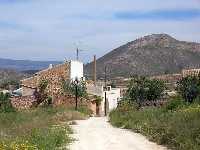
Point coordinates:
[[41, 128], [173, 126]]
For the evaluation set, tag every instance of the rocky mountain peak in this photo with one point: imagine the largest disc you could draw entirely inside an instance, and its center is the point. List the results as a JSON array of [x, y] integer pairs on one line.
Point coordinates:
[[154, 54], [164, 40]]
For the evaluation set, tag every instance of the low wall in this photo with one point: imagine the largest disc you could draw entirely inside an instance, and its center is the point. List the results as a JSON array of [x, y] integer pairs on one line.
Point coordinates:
[[28, 102], [25, 102]]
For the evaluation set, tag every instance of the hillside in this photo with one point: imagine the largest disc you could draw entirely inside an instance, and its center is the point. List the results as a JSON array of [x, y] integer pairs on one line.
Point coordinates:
[[151, 55], [23, 65]]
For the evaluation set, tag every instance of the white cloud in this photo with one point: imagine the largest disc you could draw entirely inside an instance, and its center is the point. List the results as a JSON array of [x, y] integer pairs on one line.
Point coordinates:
[[48, 29]]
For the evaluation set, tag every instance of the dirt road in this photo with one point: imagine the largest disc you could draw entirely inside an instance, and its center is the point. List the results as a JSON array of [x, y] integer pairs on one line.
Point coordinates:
[[98, 134]]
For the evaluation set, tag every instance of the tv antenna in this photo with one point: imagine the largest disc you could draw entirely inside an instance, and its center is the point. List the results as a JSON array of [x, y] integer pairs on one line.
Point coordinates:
[[78, 50]]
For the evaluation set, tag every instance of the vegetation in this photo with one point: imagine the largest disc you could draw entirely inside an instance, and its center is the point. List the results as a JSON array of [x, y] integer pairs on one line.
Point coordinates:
[[4, 84], [176, 124], [141, 89], [41, 128], [5, 103], [42, 95], [98, 99], [70, 88], [189, 88]]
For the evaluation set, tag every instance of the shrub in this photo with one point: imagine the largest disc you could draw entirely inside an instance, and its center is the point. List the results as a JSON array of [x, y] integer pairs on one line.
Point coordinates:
[[141, 89], [124, 106], [174, 103], [48, 102], [41, 94], [70, 88], [98, 99], [5, 103], [189, 88]]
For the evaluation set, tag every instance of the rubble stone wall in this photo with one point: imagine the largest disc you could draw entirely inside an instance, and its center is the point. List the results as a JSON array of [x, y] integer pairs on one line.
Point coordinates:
[[54, 76], [25, 102], [170, 78], [191, 72]]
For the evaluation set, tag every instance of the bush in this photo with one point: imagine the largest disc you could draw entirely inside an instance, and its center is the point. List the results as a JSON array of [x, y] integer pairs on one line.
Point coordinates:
[[41, 94], [124, 106], [179, 130], [5, 103], [174, 103], [189, 88], [141, 89], [70, 88]]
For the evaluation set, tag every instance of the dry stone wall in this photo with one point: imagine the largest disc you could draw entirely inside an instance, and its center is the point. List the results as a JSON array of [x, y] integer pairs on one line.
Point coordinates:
[[25, 102], [191, 72], [54, 76]]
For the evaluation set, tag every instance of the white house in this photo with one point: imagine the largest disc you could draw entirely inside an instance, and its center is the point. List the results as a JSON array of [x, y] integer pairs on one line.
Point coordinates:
[[76, 70], [112, 97]]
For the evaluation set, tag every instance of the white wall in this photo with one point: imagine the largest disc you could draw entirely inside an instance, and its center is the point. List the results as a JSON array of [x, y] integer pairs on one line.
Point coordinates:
[[76, 70], [113, 95]]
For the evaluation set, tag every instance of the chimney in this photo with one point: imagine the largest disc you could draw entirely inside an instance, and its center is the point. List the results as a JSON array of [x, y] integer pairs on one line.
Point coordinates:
[[50, 66], [95, 70]]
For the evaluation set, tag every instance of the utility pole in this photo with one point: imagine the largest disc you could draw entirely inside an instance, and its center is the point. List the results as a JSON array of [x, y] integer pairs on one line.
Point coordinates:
[[77, 54], [94, 71], [105, 104]]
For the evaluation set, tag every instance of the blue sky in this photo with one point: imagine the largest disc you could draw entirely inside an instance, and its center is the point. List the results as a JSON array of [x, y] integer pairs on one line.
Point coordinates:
[[51, 30]]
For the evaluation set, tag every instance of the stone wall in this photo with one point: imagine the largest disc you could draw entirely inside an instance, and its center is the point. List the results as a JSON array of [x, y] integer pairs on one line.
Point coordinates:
[[25, 102], [169, 78], [54, 77], [191, 72]]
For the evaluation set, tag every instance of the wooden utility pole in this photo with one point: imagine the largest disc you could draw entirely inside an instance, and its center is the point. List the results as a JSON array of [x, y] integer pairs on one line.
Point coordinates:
[[94, 71], [77, 54], [105, 104]]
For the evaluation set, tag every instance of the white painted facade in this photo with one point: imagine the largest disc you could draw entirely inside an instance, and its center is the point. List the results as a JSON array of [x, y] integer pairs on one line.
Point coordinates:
[[76, 70], [112, 96]]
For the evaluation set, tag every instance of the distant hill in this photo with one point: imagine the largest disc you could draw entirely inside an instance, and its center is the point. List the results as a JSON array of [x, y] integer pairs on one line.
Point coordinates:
[[9, 74], [150, 55], [25, 65]]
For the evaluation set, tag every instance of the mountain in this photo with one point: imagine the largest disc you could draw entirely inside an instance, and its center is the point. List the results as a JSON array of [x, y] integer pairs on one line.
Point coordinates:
[[154, 54], [23, 65]]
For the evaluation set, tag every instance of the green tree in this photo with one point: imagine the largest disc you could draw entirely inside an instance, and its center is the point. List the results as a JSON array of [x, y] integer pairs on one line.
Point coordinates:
[[155, 89], [5, 103], [189, 88], [141, 89], [70, 88]]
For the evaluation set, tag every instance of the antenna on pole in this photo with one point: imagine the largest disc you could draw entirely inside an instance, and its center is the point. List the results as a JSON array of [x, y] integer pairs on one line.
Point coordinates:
[[77, 54], [78, 50]]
